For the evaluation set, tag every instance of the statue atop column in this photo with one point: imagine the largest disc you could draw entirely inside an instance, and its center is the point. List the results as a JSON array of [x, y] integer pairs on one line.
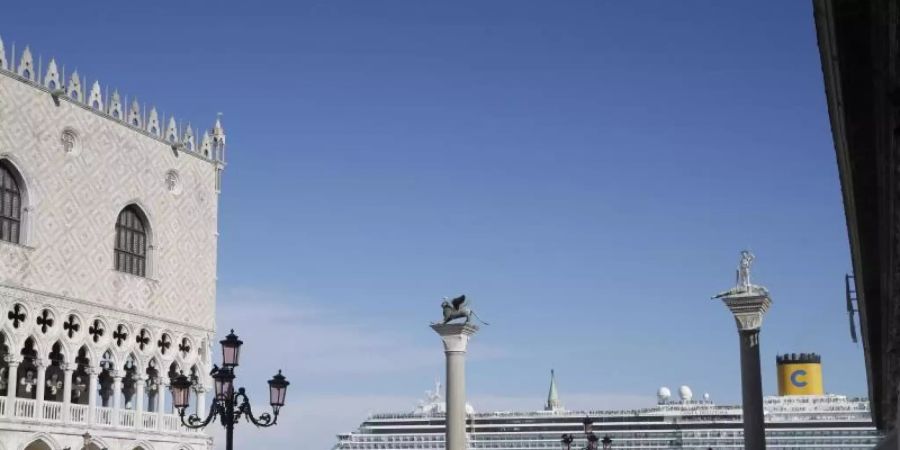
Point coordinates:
[[458, 308], [743, 286]]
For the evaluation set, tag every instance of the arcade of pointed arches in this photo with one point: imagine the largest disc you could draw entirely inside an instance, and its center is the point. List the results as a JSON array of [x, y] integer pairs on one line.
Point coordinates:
[[54, 356]]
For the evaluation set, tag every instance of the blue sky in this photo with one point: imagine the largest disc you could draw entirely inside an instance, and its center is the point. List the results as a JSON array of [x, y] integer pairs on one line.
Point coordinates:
[[585, 171]]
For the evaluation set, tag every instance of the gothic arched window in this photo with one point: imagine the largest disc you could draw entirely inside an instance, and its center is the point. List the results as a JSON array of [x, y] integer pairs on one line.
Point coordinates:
[[131, 242], [10, 205]]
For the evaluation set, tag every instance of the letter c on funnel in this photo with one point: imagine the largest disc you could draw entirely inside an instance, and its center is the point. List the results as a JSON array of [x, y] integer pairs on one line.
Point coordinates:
[[795, 378]]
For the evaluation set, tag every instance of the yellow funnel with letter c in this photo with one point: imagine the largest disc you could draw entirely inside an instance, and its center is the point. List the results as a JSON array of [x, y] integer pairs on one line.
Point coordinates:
[[800, 374]]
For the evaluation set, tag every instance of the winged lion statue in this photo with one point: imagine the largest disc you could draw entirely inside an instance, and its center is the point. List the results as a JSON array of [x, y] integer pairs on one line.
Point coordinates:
[[458, 308]]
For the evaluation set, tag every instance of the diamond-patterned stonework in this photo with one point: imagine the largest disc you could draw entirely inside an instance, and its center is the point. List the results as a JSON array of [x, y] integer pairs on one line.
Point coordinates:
[[73, 200]]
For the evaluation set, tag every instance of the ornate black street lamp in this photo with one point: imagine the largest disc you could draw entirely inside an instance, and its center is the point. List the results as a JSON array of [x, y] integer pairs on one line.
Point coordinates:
[[229, 405], [567, 440], [607, 442], [592, 439]]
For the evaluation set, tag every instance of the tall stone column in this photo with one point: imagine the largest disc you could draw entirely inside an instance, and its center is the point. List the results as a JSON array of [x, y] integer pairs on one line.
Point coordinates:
[[456, 340], [749, 303]]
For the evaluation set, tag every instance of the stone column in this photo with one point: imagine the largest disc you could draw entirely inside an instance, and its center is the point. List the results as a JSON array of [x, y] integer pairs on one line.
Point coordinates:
[[117, 396], [93, 372], [456, 339], [13, 364], [748, 309], [69, 370], [139, 383], [40, 365], [201, 402], [161, 401]]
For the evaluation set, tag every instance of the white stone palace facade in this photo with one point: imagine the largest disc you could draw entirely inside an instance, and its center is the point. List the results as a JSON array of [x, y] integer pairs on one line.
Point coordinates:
[[108, 218]]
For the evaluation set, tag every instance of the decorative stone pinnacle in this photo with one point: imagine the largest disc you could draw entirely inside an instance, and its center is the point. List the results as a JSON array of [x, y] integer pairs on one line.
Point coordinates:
[[72, 89]]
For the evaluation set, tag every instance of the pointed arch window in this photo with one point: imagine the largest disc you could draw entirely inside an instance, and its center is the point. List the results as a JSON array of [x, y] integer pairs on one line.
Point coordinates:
[[131, 242], [10, 205]]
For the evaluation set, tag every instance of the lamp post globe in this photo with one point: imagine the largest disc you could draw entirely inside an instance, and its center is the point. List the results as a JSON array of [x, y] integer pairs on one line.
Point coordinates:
[[607, 442], [181, 386], [277, 391], [223, 383], [231, 350], [566, 441], [592, 441]]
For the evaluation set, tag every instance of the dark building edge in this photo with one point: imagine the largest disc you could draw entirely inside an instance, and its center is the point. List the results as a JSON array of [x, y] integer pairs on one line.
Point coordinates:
[[859, 55]]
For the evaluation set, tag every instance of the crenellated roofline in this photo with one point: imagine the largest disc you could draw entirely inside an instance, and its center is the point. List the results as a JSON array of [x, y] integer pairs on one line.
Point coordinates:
[[115, 107]]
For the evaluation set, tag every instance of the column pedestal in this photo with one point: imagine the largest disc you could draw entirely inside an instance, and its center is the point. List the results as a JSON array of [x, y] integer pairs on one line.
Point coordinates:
[[456, 340]]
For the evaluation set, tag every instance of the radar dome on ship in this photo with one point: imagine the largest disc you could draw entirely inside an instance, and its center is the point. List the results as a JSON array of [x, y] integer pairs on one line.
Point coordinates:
[[663, 394], [685, 393]]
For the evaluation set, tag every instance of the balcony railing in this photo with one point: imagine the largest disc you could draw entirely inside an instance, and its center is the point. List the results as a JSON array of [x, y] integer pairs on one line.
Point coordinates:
[[50, 411], [78, 413], [26, 408], [126, 419], [103, 415], [149, 421]]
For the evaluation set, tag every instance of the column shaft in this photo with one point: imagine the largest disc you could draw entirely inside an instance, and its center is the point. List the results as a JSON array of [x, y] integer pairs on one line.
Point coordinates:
[[11, 388], [751, 388], [201, 403], [139, 402], [456, 400], [41, 368], [161, 402], [92, 393], [67, 391]]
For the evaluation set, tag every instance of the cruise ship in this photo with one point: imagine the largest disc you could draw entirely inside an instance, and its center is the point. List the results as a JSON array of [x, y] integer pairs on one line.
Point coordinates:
[[795, 419]]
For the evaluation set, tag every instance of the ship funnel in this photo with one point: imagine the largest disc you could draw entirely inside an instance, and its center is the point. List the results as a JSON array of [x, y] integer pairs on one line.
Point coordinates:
[[799, 374]]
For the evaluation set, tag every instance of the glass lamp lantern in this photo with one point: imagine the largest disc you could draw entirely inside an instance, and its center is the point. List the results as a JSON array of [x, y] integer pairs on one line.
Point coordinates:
[[277, 391], [231, 350], [223, 380], [181, 386]]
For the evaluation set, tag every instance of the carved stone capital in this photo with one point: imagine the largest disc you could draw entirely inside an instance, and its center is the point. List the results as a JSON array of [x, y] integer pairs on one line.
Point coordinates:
[[748, 309], [70, 367], [455, 335], [13, 360]]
